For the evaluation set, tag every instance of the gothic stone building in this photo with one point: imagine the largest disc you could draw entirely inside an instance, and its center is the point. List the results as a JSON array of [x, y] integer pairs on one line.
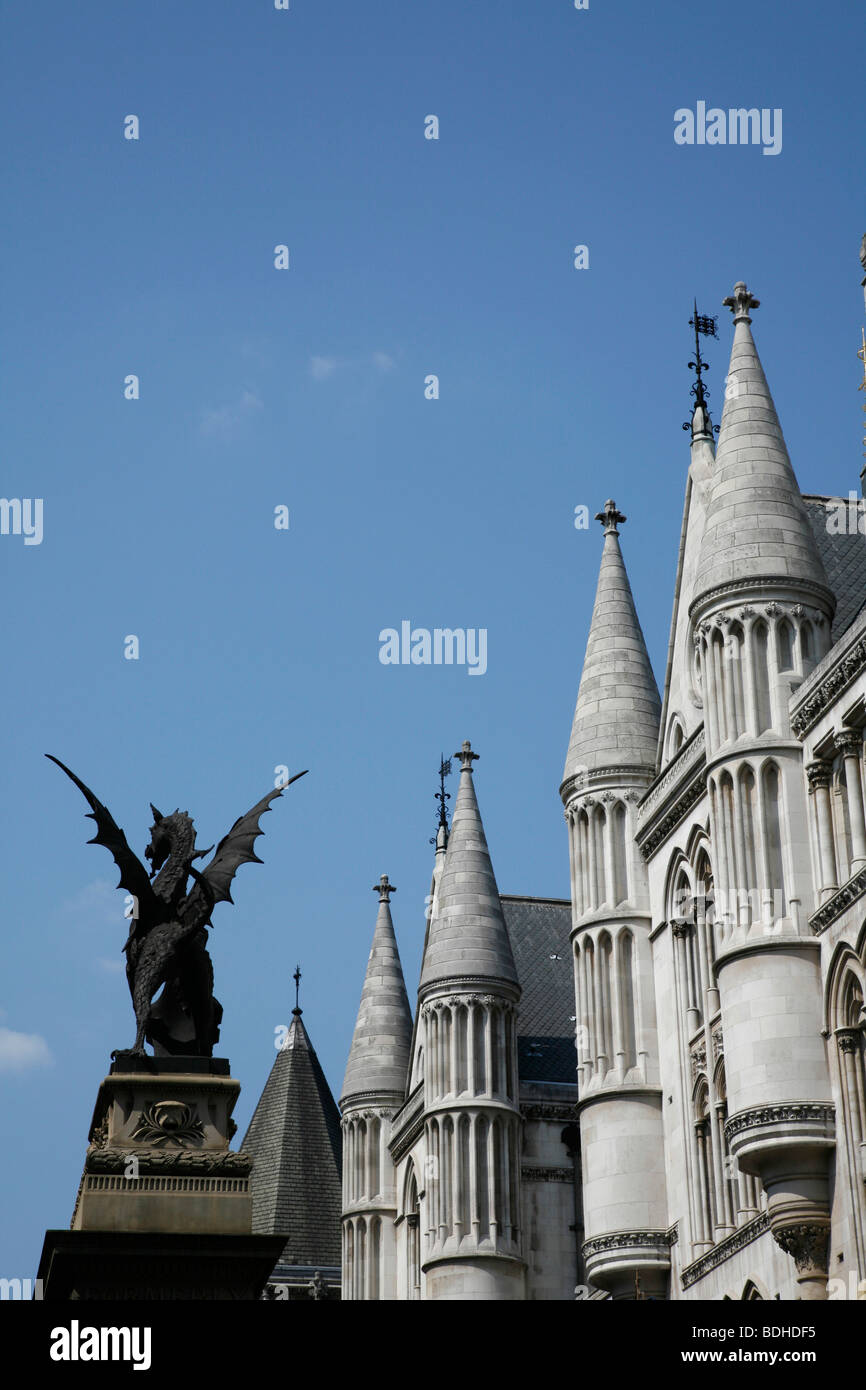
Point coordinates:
[[711, 1140]]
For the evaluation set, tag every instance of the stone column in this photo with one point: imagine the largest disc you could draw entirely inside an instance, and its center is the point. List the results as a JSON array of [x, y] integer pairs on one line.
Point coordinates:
[[850, 744], [819, 773]]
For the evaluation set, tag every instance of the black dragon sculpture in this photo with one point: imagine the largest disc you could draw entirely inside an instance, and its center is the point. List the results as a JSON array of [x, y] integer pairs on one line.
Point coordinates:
[[167, 942]]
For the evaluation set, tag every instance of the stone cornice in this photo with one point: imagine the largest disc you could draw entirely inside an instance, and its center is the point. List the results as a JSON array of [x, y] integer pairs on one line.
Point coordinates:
[[613, 775], [552, 1110], [816, 1114], [737, 1240], [626, 1240], [839, 669], [653, 834], [474, 984], [839, 903], [674, 772], [407, 1124], [734, 589], [623, 1091]]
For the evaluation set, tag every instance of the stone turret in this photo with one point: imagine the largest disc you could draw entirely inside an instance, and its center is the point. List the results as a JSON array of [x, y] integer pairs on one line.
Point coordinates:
[[610, 763], [761, 620], [373, 1090], [467, 1000]]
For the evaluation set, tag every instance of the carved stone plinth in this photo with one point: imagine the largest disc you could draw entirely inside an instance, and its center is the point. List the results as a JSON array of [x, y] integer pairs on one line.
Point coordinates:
[[159, 1156]]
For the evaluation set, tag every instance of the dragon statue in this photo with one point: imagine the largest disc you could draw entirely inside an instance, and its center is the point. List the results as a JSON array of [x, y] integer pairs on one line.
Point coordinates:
[[167, 942]]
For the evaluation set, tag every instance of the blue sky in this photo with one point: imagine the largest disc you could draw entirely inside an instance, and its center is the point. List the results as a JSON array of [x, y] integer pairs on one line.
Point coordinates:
[[305, 387]]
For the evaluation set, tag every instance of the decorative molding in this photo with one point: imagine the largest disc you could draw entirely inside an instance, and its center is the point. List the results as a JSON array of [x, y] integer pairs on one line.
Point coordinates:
[[169, 1162], [552, 1110], [840, 901], [169, 1122], [650, 840], [847, 666], [732, 587], [698, 1058], [807, 1243], [626, 1240], [547, 1175], [810, 1112], [689, 753], [737, 1240]]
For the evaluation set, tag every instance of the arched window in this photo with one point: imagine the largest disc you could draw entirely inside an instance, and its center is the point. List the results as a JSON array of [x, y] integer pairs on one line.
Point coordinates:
[[413, 1241], [676, 737], [734, 657], [706, 1178], [807, 645], [841, 821], [482, 1142], [785, 645], [761, 666], [375, 1257], [597, 829], [750, 892], [625, 944], [773, 838], [605, 1018], [847, 1017], [725, 721], [461, 1024], [620, 854]]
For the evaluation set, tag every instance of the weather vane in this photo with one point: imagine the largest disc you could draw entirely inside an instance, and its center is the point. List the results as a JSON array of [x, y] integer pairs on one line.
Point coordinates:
[[297, 979], [704, 326], [442, 796]]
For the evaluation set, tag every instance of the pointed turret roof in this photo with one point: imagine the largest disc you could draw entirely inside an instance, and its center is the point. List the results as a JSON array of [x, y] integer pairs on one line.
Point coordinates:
[[381, 1044], [294, 1138], [616, 719], [757, 526], [467, 937]]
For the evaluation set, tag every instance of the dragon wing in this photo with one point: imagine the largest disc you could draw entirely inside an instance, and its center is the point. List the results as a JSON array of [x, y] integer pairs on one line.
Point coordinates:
[[133, 875], [213, 884]]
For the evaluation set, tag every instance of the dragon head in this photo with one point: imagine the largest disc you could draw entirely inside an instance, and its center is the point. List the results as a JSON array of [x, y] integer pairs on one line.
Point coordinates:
[[169, 835]]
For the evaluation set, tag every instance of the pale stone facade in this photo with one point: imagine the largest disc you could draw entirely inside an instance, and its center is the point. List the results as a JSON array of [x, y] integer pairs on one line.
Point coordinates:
[[711, 1142]]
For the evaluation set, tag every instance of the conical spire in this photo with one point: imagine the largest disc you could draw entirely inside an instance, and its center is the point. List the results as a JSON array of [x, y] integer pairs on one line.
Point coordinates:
[[379, 1055], [294, 1138], [757, 526], [467, 936], [616, 719]]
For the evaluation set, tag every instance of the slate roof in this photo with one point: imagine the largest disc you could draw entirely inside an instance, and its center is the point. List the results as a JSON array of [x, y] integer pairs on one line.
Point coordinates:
[[294, 1137], [844, 557], [538, 929]]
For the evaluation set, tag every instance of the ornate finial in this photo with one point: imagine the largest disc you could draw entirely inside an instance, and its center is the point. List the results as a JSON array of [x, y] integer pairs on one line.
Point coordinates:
[[297, 979], [442, 796], [610, 518], [466, 756], [740, 302], [384, 889], [700, 423]]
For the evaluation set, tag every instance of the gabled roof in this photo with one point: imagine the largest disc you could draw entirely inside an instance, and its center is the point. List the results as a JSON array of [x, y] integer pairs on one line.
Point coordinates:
[[294, 1138]]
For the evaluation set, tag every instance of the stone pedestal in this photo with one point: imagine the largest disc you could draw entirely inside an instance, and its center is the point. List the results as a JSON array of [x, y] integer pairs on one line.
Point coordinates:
[[164, 1206]]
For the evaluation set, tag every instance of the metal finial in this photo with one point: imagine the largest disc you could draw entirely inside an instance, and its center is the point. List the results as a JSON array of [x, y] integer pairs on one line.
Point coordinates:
[[297, 979], [384, 889], [442, 796], [466, 756], [705, 326], [610, 518], [740, 302]]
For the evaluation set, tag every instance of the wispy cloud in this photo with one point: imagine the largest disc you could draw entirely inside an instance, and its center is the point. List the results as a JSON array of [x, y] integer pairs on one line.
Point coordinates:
[[21, 1051], [96, 904], [110, 964], [323, 367], [224, 421]]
